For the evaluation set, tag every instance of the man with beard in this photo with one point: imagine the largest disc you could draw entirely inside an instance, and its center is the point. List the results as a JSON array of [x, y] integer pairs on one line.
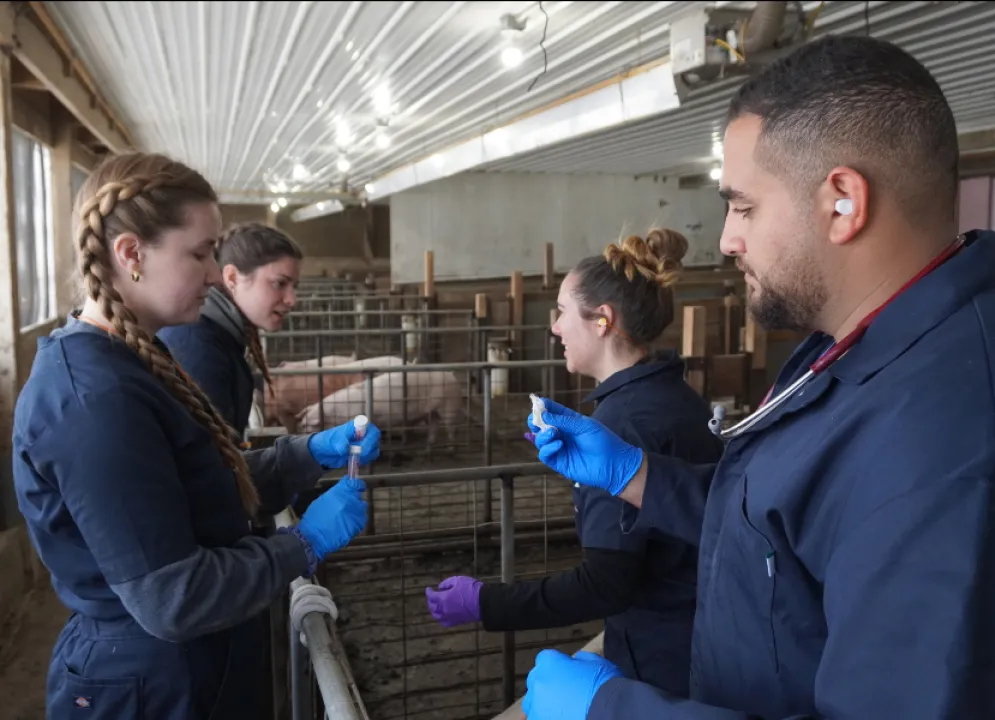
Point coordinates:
[[847, 559]]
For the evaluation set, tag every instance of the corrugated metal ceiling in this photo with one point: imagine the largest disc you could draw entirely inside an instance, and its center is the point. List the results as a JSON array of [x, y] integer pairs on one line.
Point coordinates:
[[249, 91], [953, 39]]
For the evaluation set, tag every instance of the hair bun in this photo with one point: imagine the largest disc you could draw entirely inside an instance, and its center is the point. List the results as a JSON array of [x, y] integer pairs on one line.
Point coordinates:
[[657, 258]]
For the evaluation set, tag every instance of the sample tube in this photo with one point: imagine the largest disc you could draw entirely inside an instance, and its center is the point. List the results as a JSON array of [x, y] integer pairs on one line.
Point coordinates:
[[355, 449]]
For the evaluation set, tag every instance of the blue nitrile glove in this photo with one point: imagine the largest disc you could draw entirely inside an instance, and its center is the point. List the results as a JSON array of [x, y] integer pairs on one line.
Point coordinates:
[[330, 448], [585, 451], [335, 517], [561, 687]]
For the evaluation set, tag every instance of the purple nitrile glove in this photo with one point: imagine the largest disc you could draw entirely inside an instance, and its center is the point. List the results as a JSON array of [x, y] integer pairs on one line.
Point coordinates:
[[457, 601]]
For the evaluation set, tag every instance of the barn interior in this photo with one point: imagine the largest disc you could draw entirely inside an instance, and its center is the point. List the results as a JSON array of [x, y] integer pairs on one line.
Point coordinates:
[[443, 166]]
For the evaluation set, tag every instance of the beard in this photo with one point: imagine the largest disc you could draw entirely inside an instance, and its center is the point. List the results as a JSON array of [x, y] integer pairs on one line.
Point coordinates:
[[792, 301]]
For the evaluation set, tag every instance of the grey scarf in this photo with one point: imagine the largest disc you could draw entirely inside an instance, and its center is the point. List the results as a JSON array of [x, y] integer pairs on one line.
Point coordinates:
[[219, 308]]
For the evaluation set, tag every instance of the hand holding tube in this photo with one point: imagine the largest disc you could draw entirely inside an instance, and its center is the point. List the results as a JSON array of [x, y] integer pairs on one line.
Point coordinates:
[[335, 517], [330, 448], [583, 450]]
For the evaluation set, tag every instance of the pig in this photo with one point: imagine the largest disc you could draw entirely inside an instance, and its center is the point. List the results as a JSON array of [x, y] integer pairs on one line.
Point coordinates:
[[293, 393], [290, 393], [431, 394]]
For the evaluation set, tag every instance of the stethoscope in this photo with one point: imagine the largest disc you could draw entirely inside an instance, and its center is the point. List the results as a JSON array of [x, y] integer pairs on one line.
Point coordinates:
[[768, 405]]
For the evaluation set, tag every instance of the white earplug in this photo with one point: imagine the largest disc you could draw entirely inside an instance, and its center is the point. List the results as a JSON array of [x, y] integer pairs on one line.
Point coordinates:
[[844, 206]]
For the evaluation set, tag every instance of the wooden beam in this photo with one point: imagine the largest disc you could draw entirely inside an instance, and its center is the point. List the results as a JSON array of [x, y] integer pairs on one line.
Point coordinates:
[[9, 305], [64, 250], [547, 267], [35, 40], [693, 345]]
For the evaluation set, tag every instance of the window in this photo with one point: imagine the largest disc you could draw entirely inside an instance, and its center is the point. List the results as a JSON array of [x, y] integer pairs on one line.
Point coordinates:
[[32, 175], [76, 179]]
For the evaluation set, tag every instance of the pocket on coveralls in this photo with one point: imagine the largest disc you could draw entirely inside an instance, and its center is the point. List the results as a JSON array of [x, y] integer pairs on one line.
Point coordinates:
[[98, 698]]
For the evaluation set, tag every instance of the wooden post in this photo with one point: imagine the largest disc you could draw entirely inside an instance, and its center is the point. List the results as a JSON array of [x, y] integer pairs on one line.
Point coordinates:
[[547, 268], [64, 250], [9, 304], [517, 296], [694, 346], [428, 290], [480, 306]]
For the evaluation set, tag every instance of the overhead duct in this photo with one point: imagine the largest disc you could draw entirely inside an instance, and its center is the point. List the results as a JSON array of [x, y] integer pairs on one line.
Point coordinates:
[[762, 29], [711, 43]]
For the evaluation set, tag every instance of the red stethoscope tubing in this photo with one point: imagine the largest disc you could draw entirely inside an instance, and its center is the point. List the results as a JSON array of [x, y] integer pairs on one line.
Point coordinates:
[[839, 349]]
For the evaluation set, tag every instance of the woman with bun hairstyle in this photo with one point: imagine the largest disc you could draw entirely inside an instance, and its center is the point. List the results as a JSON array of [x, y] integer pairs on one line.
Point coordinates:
[[613, 308], [135, 494]]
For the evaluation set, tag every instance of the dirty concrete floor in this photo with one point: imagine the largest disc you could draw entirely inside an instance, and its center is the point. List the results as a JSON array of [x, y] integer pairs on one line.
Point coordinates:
[[25, 647]]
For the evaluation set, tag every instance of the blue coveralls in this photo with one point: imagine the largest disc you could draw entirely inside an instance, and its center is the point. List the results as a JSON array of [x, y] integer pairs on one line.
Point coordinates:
[[651, 641], [212, 352], [847, 556], [133, 511]]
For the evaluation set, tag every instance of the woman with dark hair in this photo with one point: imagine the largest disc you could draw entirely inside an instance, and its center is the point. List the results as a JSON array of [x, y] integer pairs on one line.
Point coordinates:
[[260, 266], [613, 308]]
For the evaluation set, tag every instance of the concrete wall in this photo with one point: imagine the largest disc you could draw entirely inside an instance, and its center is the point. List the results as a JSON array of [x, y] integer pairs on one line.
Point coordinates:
[[329, 242], [488, 225]]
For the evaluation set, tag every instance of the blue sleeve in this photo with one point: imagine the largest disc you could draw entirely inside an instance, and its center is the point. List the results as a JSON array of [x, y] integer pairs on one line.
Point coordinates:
[[908, 596], [119, 482], [674, 498], [283, 470]]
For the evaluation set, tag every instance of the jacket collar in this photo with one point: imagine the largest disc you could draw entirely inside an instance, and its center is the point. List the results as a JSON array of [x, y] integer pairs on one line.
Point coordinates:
[[921, 307], [665, 361], [220, 309]]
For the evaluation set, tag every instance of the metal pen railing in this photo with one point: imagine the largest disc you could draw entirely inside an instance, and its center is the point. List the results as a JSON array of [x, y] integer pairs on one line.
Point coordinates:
[[323, 660]]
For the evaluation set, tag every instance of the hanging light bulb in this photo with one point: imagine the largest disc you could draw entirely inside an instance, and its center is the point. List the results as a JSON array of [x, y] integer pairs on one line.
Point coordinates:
[[511, 56], [343, 133], [274, 207], [300, 172], [382, 140], [381, 100], [716, 173], [282, 202], [343, 165], [717, 149], [370, 189]]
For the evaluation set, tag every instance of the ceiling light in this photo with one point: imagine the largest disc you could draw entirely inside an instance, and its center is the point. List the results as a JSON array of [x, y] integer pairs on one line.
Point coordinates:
[[355, 55], [381, 99], [343, 165], [437, 160], [319, 103], [369, 188], [715, 174], [382, 140], [281, 187], [343, 133], [300, 172], [282, 202], [511, 57], [274, 207], [348, 47], [717, 149]]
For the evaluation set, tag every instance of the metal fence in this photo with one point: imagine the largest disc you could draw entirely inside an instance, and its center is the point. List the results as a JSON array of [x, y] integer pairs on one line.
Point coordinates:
[[403, 663]]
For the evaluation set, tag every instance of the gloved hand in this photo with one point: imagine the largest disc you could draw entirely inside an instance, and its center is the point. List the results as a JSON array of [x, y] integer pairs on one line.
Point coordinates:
[[457, 601], [330, 448], [335, 517], [585, 451], [561, 687]]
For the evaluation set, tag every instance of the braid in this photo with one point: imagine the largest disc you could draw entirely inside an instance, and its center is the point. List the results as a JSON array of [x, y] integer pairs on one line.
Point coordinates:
[[95, 268], [256, 351]]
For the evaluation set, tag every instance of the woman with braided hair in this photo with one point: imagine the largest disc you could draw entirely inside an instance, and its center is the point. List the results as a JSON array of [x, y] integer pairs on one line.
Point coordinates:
[[613, 308], [135, 494]]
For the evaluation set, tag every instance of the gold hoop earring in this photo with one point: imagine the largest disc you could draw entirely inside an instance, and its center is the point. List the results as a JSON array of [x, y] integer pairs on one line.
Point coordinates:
[[135, 276]]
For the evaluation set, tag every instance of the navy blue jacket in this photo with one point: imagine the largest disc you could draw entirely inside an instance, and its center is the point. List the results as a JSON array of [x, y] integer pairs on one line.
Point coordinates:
[[133, 511], [641, 583], [212, 352], [847, 557]]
